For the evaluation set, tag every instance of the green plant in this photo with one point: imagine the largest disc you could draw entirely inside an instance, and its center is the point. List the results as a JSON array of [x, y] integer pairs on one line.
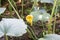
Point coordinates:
[[0, 2], [37, 12], [52, 13], [14, 9], [50, 37], [2, 10], [10, 28]]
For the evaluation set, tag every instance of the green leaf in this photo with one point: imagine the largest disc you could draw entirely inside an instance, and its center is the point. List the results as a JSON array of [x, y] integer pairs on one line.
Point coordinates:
[[12, 27], [42, 10], [40, 15], [44, 1], [41, 39], [1, 34], [58, 2], [47, 1], [35, 8], [34, 0], [51, 37], [35, 15], [2, 10], [45, 17]]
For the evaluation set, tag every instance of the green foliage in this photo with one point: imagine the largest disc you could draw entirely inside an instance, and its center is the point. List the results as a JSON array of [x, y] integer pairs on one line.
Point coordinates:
[[40, 15], [58, 2], [51, 37], [44, 1], [38, 12], [35, 15], [2, 10], [45, 17], [41, 39], [0, 2], [34, 0], [10, 28], [47, 1]]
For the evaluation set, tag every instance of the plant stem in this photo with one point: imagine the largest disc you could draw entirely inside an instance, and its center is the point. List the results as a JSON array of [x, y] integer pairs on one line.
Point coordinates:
[[6, 37], [14, 3], [43, 28], [33, 33], [22, 8], [30, 34], [52, 13], [14, 9], [10, 9], [44, 5], [55, 20], [0, 3], [55, 2], [35, 4]]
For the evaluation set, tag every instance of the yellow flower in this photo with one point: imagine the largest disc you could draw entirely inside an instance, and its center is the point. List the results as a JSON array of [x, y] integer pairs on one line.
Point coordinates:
[[29, 19]]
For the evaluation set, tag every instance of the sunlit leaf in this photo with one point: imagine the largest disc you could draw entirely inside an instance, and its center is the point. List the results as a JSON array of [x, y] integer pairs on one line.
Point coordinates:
[[41, 39], [44, 1], [34, 0], [2, 10], [42, 10], [58, 2], [35, 15], [12, 27], [1, 34], [51, 37], [45, 17], [40, 15], [47, 1], [35, 8]]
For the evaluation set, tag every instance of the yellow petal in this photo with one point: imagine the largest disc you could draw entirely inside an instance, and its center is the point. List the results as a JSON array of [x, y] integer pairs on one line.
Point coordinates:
[[29, 19]]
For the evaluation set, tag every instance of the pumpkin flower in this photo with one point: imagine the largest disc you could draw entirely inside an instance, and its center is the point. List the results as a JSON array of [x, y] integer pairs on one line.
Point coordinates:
[[29, 19]]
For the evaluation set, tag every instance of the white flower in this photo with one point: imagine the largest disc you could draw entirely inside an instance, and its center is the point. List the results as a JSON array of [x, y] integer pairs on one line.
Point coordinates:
[[12, 27], [2, 10]]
